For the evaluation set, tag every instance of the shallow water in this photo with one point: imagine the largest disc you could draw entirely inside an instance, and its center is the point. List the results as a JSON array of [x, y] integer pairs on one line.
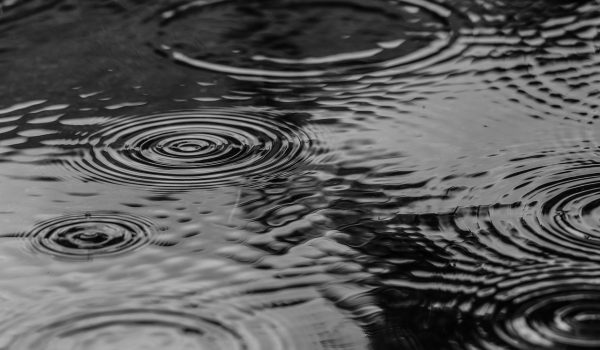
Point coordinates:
[[299, 174]]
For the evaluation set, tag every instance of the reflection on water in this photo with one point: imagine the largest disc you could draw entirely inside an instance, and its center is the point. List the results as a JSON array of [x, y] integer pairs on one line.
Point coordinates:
[[299, 174]]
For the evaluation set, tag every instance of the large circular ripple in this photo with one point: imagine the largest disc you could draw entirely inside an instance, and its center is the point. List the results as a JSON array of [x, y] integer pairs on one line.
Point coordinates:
[[543, 205], [117, 321], [84, 236], [134, 329], [293, 39], [559, 215], [540, 308], [199, 149]]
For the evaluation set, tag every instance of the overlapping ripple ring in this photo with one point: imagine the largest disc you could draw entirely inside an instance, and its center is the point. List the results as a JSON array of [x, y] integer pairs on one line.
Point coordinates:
[[431, 36], [559, 214], [567, 211], [120, 320], [133, 329], [84, 236], [541, 308], [538, 206], [196, 149]]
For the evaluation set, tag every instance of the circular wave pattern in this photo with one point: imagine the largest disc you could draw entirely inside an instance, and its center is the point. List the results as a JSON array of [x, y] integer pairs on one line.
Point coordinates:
[[542, 205], [134, 329], [543, 308], [568, 210], [295, 319], [293, 40], [87, 236], [560, 214], [199, 149]]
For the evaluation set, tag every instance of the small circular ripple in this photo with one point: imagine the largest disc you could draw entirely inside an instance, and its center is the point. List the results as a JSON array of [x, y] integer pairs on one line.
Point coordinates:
[[199, 149], [90, 235], [540, 308], [291, 40]]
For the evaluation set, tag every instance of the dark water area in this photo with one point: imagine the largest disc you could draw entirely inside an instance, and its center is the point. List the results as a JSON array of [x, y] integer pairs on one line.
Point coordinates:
[[299, 174]]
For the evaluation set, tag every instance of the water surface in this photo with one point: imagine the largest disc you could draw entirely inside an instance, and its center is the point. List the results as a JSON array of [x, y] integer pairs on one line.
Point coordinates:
[[299, 174]]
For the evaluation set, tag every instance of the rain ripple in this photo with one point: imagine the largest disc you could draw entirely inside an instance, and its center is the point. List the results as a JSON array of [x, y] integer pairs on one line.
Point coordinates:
[[276, 41], [542, 205], [537, 307], [183, 151], [294, 319], [84, 236]]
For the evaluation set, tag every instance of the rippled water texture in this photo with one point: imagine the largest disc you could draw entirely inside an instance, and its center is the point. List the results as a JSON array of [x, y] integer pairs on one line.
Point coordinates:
[[196, 149], [299, 174], [276, 39], [86, 235]]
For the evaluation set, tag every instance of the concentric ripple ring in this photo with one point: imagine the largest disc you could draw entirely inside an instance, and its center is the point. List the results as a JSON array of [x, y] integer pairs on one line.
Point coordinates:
[[542, 308], [560, 216], [120, 320], [276, 39], [197, 149], [84, 236], [134, 329], [542, 206], [571, 211]]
